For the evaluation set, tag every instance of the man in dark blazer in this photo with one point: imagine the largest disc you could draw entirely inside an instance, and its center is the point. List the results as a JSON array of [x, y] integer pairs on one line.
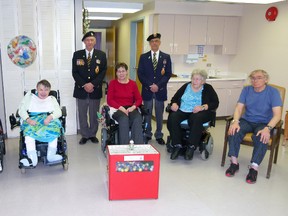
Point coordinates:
[[88, 69], [154, 72]]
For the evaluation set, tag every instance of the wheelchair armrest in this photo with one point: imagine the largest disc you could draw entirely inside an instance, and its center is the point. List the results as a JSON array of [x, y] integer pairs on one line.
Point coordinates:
[[13, 121], [64, 111], [168, 108], [143, 110]]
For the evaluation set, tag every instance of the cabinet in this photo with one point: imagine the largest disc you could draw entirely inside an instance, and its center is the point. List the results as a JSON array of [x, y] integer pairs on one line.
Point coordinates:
[[198, 30], [175, 33], [206, 30], [228, 93], [215, 27], [230, 36]]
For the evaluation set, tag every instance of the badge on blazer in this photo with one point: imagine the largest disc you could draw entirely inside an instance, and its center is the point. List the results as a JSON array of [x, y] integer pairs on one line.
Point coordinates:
[[98, 61], [97, 70], [164, 65], [80, 62]]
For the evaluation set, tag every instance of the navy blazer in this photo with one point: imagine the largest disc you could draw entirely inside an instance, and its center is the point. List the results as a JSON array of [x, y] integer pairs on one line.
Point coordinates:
[[160, 77], [94, 74]]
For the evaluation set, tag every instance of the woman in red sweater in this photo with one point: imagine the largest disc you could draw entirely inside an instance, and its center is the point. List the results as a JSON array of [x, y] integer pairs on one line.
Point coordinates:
[[124, 98]]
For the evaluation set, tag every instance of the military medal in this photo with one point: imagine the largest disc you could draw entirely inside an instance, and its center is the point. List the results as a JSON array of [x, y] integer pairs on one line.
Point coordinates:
[[164, 65], [97, 70], [80, 62]]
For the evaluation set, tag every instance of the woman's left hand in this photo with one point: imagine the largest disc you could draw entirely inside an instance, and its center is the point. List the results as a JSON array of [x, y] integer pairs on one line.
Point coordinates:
[[48, 119], [131, 109], [197, 109]]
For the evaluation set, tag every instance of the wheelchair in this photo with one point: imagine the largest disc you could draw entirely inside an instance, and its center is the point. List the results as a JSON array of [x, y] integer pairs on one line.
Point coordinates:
[[41, 147], [206, 144], [2, 147], [109, 130]]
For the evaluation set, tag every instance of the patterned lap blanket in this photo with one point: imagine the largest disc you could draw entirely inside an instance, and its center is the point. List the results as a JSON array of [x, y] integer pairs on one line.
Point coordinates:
[[41, 132]]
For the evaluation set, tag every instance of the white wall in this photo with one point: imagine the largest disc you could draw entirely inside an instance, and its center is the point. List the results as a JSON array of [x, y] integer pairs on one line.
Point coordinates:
[[264, 44], [50, 24]]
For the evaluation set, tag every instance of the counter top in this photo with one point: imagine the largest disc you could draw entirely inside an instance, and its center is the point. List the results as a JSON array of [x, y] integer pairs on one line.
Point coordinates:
[[222, 78]]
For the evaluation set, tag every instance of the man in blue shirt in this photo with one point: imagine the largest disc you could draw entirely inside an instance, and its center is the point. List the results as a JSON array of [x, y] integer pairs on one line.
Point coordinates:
[[262, 104]]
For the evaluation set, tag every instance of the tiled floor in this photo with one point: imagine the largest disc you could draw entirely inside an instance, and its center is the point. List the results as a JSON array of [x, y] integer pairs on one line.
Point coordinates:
[[197, 188]]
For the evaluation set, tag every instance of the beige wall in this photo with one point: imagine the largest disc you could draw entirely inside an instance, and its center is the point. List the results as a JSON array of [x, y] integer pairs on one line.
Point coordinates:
[[123, 35], [264, 44]]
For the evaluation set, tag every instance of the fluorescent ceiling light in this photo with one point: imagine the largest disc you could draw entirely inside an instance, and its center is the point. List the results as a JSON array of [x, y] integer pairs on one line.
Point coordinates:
[[249, 1], [112, 7], [105, 16]]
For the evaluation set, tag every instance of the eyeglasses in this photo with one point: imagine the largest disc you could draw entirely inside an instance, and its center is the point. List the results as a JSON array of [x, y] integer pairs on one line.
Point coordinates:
[[256, 78]]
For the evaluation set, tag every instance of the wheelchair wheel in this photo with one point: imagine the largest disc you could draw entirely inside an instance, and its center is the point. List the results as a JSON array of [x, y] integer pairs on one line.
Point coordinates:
[[65, 164], [2, 153], [208, 147], [103, 140]]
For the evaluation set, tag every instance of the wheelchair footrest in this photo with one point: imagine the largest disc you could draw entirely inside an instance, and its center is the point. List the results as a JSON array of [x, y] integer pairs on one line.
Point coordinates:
[[51, 163]]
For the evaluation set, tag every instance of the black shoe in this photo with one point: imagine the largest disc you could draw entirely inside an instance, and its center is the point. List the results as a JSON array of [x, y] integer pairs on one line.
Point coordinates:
[[160, 141], [175, 153], [83, 141], [189, 153], [147, 139], [94, 139], [169, 148], [252, 176], [232, 169]]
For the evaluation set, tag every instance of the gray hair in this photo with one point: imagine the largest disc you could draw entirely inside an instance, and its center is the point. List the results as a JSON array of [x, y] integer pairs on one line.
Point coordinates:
[[265, 74], [201, 72]]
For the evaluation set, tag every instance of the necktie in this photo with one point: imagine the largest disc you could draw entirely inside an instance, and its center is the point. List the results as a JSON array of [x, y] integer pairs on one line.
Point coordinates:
[[154, 61], [89, 59]]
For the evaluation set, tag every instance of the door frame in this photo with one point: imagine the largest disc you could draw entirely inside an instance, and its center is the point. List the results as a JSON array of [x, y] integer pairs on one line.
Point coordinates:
[[133, 47]]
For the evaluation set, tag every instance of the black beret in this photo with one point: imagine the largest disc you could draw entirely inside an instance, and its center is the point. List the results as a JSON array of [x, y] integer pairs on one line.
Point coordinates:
[[153, 36], [88, 34]]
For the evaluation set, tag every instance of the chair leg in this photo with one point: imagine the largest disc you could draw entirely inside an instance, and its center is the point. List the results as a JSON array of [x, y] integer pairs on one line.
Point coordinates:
[[270, 161], [225, 145], [224, 153], [276, 154]]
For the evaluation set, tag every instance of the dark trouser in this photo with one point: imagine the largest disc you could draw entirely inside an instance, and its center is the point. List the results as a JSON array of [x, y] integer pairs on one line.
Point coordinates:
[[159, 109], [260, 148], [87, 109], [195, 122], [133, 121]]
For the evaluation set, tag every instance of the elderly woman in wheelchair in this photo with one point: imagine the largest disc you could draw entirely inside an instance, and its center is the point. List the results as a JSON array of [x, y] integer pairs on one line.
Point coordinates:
[[124, 99], [196, 102], [39, 114]]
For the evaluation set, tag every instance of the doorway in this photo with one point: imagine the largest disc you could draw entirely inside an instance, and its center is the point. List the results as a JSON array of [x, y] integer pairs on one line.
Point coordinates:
[[136, 46]]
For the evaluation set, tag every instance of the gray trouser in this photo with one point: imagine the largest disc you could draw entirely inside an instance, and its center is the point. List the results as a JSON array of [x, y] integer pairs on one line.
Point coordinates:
[[159, 109], [134, 122], [87, 109]]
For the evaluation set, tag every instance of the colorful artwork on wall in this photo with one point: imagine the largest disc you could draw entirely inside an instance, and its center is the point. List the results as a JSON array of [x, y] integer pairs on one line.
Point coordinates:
[[22, 51]]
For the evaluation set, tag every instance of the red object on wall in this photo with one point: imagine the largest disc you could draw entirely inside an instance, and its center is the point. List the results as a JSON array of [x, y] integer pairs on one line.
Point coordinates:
[[271, 14], [133, 174]]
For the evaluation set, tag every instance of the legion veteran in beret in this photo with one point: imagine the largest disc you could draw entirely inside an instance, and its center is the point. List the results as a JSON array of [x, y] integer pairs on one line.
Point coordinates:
[[154, 72], [88, 69]]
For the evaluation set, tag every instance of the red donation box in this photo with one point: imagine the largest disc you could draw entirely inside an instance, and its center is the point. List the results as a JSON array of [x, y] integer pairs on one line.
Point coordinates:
[[133, 174]]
